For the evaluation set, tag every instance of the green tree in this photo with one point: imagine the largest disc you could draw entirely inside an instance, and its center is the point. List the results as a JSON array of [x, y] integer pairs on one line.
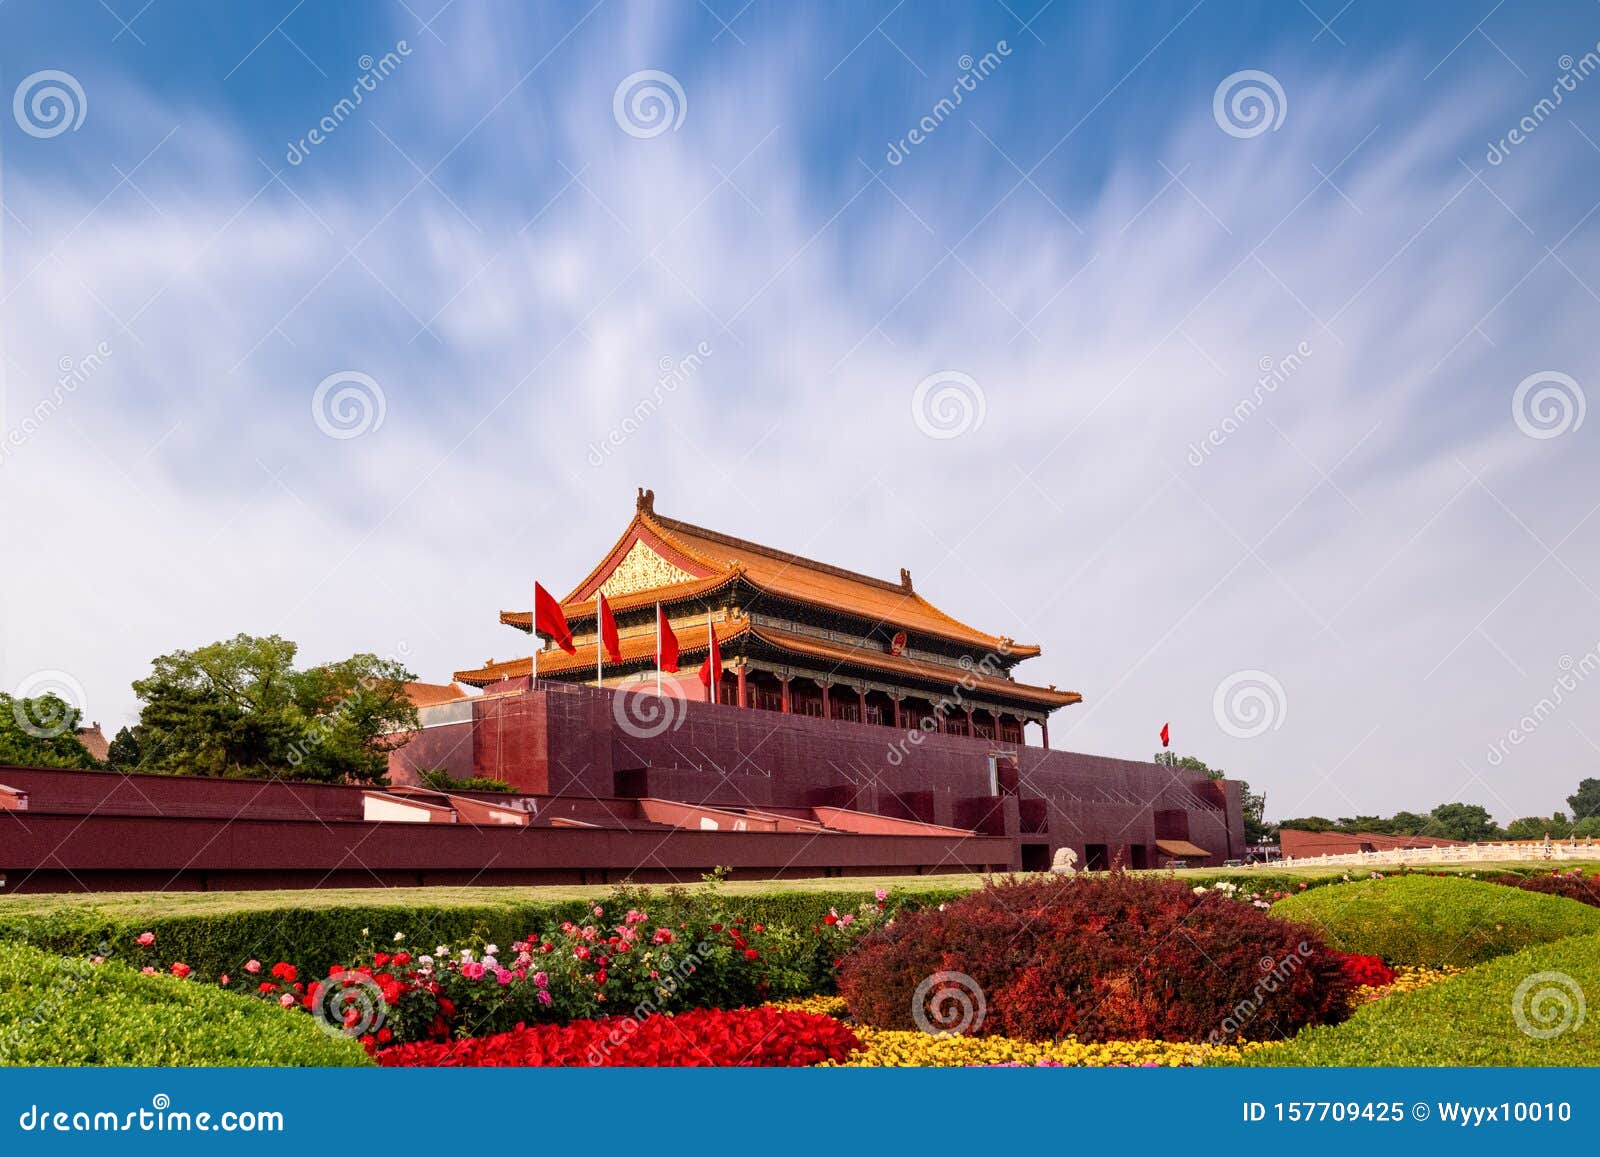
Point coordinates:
[[1537, 827], [240, 708], [1309, 824], [122, 753], [41, 732], [1462, 821], [1408, 824], [1585, 802]]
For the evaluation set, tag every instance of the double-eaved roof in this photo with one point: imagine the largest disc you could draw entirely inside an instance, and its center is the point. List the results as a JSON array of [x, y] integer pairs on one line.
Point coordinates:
[[662, 560]]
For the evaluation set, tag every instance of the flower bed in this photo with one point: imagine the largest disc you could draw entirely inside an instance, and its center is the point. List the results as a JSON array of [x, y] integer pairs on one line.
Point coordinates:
[[750, 1037], [1574, 884]]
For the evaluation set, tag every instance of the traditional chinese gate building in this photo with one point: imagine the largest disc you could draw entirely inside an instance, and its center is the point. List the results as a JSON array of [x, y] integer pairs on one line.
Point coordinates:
[[797, 637]]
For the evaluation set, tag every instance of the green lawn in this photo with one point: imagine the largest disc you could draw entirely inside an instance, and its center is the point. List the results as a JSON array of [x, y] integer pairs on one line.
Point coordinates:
[[1524, 1009]]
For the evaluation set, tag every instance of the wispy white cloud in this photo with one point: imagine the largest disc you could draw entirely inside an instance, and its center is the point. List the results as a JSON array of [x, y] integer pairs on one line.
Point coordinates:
[[1371, 534]]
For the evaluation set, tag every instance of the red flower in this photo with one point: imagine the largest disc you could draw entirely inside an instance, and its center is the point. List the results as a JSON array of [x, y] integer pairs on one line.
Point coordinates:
[[738, 1037], [266, 986], [379, 959], [180, 969], [285, 972], [336, 970], [751, 954], [830, 919], [402, 958]]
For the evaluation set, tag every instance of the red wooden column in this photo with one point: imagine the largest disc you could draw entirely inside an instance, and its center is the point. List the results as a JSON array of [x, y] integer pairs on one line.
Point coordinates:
[[783, 684], [896, 700], [972, 724], [861, 697], [1044, 728], [827, 700], [743, 701]]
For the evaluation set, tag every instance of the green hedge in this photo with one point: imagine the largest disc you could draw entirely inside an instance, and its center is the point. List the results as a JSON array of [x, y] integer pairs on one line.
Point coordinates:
[[1436, 920], [57, 1011], [1471, 1019], [237, 928]]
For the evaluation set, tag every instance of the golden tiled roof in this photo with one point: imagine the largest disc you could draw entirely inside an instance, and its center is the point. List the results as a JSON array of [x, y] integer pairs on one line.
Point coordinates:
[[716, 560], [822, 653]]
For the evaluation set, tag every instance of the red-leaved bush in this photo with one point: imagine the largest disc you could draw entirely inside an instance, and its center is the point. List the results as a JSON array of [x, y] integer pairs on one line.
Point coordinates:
[[700, 1038], [1104, 958], [1574, 885], [1368, 971]]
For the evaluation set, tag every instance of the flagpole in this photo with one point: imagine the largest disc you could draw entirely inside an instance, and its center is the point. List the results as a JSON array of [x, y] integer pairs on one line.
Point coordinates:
[[533, 629], [658, 648]]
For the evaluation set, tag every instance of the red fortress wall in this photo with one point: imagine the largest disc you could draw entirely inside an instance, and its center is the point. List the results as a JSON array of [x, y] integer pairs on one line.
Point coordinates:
[[574, 740]]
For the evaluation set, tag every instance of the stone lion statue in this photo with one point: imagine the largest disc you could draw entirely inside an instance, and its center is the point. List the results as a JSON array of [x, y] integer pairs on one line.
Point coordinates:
[[1065, 862]]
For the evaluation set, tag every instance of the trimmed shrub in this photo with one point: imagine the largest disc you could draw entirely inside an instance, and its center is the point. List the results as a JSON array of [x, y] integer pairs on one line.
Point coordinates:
[[1521, 1009], [314, 934], [57, 1011], [1436, 920], [1574, 885], [1101, 958]]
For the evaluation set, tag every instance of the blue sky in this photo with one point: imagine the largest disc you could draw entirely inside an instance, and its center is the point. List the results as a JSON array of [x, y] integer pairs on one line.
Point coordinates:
[[1096, 251]]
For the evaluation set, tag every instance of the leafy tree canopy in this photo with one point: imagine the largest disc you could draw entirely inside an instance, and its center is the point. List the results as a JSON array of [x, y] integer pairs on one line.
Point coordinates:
[[41, 732], [241, 708]]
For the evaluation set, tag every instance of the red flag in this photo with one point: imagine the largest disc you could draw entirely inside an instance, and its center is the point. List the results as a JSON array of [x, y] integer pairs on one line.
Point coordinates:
[[666, 643], [549, 620], [711, 669], [608, 629], [1166, 734]]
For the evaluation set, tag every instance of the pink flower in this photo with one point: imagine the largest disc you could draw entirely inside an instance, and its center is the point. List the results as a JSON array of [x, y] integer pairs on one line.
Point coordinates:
[[503, 976], [599, 911], [147, 970], [542, 979], [97, 960], [286, 1000], [847, 919], [224, 980], [544, 997], [882, 894], [253, 967], [146, 939]]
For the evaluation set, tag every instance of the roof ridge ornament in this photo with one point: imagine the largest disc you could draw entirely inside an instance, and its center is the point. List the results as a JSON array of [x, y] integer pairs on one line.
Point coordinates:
[[646, 502], [905, 579]]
